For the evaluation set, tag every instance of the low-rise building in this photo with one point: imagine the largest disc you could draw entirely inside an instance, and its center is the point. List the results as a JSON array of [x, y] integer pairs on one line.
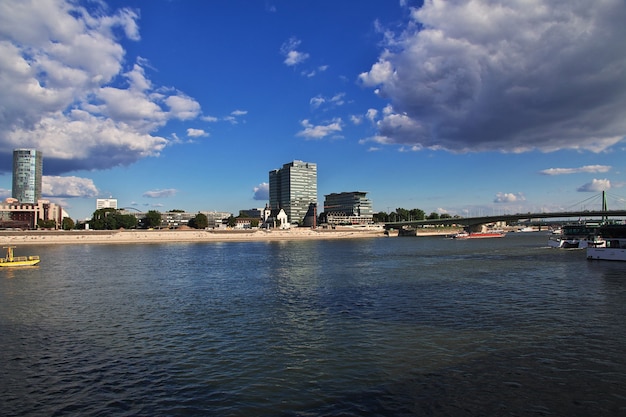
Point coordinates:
[[275, 219], [14, 214]]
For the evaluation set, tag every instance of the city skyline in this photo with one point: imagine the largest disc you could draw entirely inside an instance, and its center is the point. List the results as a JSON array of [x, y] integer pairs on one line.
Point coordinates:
[[458, 108]]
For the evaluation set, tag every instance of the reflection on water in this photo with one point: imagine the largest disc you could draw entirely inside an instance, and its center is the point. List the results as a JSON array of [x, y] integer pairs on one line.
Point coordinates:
[[403, 326]]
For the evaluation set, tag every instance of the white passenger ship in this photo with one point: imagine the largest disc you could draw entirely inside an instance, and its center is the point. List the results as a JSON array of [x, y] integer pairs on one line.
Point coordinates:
[[609, 244]]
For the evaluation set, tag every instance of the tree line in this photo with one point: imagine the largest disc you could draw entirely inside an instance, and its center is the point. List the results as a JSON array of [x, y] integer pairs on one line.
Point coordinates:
[[113, 219], [404, 215]]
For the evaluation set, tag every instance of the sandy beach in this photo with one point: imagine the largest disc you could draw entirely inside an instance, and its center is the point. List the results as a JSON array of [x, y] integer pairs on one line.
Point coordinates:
[[52, 237]]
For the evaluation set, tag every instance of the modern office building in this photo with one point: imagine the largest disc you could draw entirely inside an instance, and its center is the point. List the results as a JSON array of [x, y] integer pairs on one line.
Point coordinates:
[[104, 203], [293, 188], [348, 208], [27, 174]]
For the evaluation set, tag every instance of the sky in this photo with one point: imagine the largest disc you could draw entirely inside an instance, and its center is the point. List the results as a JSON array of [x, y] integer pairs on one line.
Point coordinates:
[[473, 107]]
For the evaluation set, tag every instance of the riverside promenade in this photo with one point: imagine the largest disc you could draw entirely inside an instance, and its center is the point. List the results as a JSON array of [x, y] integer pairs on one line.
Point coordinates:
[[53, 237]]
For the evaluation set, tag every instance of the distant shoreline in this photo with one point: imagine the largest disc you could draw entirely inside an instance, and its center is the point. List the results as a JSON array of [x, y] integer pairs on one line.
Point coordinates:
[[56, 237]]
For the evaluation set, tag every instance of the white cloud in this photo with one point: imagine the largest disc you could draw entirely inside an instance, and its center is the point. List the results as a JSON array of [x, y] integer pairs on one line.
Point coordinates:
[[233, 117], [84, 141], [595, 186], [320, 131], [292, 55], [506, 76], [356, 120], [584, 169], [336, 100], [316, 102], [262, 192], [509, 197], [196, 133], [170, 192], [55, 186], [211, 119], [182, 107], [371, 115], [65, 91]]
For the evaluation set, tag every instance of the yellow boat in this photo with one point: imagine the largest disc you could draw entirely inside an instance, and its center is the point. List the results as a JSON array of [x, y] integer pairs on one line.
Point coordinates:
[[11, 260]]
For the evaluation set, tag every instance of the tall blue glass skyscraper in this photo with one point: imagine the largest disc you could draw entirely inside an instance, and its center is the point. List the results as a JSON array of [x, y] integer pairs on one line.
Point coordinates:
[[27, 174]]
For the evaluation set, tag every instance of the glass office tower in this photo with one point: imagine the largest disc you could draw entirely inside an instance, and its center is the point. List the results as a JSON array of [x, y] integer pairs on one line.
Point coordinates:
[[294, 188], [27, 173]]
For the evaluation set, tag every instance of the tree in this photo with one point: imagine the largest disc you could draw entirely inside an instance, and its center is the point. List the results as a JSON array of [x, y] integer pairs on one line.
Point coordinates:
[[99, 218], [403, 214], [417, 214], [380, 217], [126, 221], [152, 219], [232, 221], [199, 222], [46, 224], [111, 219], [67, 223], [433, 216]]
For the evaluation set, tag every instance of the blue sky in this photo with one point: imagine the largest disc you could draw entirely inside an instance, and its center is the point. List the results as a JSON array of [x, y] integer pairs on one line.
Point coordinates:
[[459, 107]]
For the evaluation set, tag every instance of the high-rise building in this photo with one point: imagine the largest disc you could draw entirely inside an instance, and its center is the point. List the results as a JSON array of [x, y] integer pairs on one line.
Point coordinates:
[[27, 174], [294, 189]]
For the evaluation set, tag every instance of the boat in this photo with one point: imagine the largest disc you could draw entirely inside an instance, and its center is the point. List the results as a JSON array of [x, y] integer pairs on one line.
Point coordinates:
[[478, 235], [11, 260], [609, 243], [574, 236]]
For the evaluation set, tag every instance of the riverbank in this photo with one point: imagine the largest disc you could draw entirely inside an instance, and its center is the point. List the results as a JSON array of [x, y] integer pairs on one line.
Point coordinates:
[[54, 237], [161, 236]]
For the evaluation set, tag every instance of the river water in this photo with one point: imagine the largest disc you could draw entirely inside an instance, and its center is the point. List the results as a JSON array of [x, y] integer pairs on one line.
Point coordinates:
[[368, 327]]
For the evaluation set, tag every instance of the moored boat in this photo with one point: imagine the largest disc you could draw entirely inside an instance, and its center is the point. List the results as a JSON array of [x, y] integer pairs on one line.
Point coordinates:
[[573, 236], [11, 260], [479, 235], [609, 244]]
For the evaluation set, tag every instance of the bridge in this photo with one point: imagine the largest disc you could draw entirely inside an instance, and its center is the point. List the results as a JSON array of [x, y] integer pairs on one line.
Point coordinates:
[[472, 222]]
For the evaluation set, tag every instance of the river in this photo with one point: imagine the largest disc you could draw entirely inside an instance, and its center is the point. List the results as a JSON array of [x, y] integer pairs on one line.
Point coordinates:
[[421, 326]]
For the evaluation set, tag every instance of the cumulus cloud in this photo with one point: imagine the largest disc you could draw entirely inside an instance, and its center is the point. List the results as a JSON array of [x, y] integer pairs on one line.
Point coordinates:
[[170, 192], [509, 197], [262, 192], [55, 186], [584, 169], [290, 50], [499, 75], [311, 131], [66, 91], [595, 186], [196, 133]]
